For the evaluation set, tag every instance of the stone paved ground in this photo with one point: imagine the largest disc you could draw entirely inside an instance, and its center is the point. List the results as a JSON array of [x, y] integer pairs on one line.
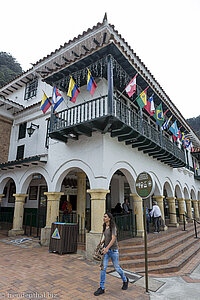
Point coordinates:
[[34, 273]]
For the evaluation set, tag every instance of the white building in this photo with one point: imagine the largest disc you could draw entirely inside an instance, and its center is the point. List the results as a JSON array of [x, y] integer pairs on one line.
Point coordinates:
[[94, 149]]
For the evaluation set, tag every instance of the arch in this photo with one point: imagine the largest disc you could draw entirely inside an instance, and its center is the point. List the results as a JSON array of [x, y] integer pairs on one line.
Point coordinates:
[[127, 170], [178, 190], [27, 177], [186, 193], [169, 188], [5, 178], [193, 194], [65, 168], [158, 186]]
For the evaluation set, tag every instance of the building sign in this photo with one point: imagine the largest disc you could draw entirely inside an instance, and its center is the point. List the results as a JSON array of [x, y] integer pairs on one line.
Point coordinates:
[[145, 185]]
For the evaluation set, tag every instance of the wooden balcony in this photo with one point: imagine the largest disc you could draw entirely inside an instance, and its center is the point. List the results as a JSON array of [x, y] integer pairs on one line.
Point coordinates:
[[121, 122]]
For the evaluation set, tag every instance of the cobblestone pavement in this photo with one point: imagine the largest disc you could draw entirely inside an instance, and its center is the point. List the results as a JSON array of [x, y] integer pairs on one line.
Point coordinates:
[[35, 273]]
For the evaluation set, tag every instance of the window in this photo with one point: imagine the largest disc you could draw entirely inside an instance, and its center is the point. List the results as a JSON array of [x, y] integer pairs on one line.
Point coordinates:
[[22, 131], [20, 152], [31, 89]]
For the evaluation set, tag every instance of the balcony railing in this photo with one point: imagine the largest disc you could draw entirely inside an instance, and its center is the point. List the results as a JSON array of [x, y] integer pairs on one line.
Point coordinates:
[[79, 114], [75, 120]]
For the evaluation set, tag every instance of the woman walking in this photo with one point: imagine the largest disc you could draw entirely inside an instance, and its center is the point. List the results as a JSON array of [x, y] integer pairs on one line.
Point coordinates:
[[110, 250]]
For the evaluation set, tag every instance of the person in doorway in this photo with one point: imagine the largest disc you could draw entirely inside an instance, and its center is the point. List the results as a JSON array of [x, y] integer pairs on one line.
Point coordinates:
[[148, 219], [118, 208], [156, 214], [110, 250], [126, 206], [67, 209]]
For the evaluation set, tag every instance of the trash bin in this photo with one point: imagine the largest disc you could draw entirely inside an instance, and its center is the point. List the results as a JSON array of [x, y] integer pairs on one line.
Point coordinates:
[[63, 237]]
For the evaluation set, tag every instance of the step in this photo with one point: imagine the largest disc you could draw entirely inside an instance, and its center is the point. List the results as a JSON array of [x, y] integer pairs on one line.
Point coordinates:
[[170, 232], [174, 266], [162, 259], [152, 243], [155, 251]]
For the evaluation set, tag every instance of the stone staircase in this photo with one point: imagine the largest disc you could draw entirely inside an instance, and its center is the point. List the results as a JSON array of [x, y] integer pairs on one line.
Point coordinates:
[[168, 251]]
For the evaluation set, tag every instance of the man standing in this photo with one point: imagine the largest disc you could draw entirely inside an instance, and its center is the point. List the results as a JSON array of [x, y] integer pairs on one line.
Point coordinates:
[[156, 213]]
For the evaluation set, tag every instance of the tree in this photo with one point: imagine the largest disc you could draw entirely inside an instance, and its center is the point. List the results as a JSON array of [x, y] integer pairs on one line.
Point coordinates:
[[9, 68], [195, 124]]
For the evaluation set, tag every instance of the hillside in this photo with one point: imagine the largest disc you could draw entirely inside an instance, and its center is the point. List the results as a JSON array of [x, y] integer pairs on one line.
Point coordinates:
[[9, 68], [195, 124]]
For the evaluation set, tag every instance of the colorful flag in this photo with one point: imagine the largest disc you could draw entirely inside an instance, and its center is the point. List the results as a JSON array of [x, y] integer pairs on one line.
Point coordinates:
[[181, 136], [150, 106], [73, 90], [91, 84], [56, 98], [174, 129], [142, 98], [131, 87], [166, 124], [186, 142], [195, 165], [159, 115], [165, 113], [45, 103]]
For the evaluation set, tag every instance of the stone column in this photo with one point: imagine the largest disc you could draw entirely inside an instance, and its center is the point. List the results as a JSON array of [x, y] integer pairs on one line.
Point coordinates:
[[1, 196], [98, 208], [172, 211], [18, 215], [199, 205], [138, 211], [53, 199], [159, 200], [189, 209], [81, 198], [196, 209], [181, 208]]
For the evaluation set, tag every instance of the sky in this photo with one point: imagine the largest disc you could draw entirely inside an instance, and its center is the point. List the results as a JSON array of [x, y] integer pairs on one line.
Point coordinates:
[[165, 34]]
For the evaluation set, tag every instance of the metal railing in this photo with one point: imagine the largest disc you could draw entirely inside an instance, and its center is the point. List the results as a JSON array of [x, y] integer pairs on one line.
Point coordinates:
[[33, 222], [73, 217], [195, 222], [6, 219], [126, 226]]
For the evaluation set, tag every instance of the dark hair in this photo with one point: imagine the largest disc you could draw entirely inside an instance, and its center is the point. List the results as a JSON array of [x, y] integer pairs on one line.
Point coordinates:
[[112, 222]]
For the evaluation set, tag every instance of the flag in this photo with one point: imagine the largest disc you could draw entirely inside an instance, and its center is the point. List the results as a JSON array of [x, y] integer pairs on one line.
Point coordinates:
[[165, 113], [181, 136], [56, 98], [150, 106], [159, 115], [73, 90], [174, 129], [131, 87], [45, 103], [91, 84], [166, 124], [142, 98], [195, 165], [186, 142]]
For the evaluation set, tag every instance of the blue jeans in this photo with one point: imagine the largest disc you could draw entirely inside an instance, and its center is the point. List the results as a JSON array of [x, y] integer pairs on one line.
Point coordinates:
[[114, 255]]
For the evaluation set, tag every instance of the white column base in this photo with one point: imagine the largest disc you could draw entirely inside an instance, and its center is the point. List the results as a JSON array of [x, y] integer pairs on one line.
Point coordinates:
[[173, 225], [45, 236], [15, 232], [92, 240]]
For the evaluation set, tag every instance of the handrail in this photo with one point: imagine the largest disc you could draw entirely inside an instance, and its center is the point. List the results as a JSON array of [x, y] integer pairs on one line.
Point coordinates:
[[193, 219]]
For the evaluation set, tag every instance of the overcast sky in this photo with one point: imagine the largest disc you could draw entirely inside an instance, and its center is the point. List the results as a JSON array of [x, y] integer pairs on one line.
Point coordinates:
[[165, 34]]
